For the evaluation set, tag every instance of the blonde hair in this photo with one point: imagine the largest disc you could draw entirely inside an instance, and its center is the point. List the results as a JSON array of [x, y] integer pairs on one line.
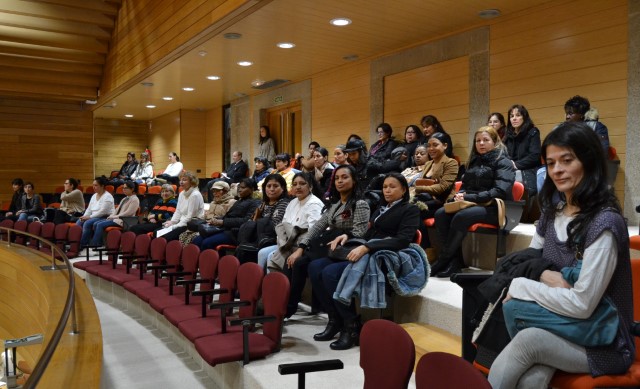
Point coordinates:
[[495, 137], [192, 178]]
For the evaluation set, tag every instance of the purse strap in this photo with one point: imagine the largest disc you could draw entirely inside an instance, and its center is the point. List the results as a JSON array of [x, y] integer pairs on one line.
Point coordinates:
[[502, 213]]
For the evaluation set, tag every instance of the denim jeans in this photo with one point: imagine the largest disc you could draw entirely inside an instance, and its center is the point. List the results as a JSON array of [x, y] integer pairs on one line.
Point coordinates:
[[212, 241], [324, 274], [263, 255], [98, 230], [87, 229]]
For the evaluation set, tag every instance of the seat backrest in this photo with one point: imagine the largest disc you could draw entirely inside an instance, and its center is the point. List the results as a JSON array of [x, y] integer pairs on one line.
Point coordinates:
[[109, 188], [227, 274], [173, 252], [154, 189], [249, 283], [518, 191], [74, 236], [189, 259], [141, 246], [21, 225], [127, 242], [635, 279], [157, 250], [34, 228], [438, 370], [7, 223], [208, 267], [113, 241], [387, 354], [457, 186], [275, 295], [60, 232], [47, 231]]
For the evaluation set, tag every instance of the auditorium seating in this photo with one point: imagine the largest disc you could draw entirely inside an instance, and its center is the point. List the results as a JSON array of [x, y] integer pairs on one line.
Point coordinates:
[[111, 249], [438, 370]]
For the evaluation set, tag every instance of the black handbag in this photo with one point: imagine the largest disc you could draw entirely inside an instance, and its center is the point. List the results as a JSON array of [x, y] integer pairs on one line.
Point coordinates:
[[206, 230], [318, 247], [194, 224], [340, 253]]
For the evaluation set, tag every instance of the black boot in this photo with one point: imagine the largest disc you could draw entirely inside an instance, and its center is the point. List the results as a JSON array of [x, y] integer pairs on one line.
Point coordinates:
[[349, 336], [454, 267], [449, 261], [333, 327], [439, 265]]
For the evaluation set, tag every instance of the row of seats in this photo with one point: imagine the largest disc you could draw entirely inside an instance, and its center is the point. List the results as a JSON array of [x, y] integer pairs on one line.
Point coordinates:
[[65, 237], [166, 279]]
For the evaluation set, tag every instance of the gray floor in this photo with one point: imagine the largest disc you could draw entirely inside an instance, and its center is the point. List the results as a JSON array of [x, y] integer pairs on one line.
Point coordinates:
[[139, 356]]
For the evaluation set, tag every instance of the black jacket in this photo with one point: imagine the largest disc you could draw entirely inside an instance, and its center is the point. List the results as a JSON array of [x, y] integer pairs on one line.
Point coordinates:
[[399, 223], [128, 169], [488, 176], [384, 152], [237, 171], [524, 150]]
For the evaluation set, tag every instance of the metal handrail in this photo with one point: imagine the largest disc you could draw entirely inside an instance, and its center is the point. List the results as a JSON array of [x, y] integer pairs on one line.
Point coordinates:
[[69, 307]]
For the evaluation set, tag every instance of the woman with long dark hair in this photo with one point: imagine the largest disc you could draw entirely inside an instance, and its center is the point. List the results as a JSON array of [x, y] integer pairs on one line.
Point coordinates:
[[266, 146], [581, 223], [430, 125], [393, 227], [522, 140], [346, 215]]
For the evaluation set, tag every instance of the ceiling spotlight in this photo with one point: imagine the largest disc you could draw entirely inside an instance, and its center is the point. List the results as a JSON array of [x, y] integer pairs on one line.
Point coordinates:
[[188, 89], [150, 106], [232, 35], [286, 45], [167, 98], [340, 22], [146, 83], [489, 13], [202, 53], [257, 82], [213, 78], [245, 63], [128, 115]]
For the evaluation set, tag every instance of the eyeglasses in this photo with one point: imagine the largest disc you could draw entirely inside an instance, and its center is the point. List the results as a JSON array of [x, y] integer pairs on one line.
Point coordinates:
[[66, 183]]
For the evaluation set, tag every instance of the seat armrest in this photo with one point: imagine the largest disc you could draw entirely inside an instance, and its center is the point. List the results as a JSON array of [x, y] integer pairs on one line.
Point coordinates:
[[193, 281], [310, 367], [248, 321], [161, 267], [513, 211], [229, 304]]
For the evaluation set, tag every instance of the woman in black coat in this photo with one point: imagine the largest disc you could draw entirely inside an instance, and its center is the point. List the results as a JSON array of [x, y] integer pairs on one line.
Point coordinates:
[[522, 140], [489, 175]]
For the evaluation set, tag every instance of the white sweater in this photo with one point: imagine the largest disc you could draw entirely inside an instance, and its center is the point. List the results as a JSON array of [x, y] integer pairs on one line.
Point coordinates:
[[190, 205], [100, 207]]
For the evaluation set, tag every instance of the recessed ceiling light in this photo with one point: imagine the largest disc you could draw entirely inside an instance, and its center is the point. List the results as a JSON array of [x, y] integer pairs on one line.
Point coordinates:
[[232, 35], [257, 82], [128, 115], [245, 63], [167, 98], [286, 45], [150, 106], [188, 89], [340, 22], [489, 13], [213, 78], [146, 83], [202, 53]]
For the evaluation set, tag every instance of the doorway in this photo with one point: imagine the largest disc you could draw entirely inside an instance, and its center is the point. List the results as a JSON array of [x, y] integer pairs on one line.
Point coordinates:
[[285, 123]]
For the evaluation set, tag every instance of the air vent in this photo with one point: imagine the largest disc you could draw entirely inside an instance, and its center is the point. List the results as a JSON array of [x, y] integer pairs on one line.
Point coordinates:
[[270, 84]]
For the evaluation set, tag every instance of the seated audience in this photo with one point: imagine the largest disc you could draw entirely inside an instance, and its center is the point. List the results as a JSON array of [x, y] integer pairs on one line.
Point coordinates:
[[71, 204], [262, 169], [173, 171], [128, 206], [323, 169], [441, 170], [282, 167], [496, 120], [358, 137], [302, 212], [382, 148], [306, 164], [489, 175], [347, 215], [17, 185], [581, 219], [430, 125], [100, 206], [126, 171], [236, 171], [339, 156], [357, 157], [411, 174], [393, 227], [241, 211], [31, 206], [161, 212], [412, 138], [523, 144], [190, 206], [144, 172], [223, 200]]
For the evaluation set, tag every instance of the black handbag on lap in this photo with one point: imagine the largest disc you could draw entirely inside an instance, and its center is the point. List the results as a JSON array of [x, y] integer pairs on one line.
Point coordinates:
[[194, 224], [341, 252], [206, 230]]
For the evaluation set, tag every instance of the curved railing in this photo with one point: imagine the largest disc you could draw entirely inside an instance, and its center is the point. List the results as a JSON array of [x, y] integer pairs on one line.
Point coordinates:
[[68, 310]]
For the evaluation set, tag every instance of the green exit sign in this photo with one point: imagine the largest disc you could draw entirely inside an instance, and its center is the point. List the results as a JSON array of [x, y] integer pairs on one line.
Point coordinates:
[[278, 99]]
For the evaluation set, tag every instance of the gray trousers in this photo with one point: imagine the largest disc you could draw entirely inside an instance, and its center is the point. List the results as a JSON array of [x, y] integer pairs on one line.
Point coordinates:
[[531, 359]]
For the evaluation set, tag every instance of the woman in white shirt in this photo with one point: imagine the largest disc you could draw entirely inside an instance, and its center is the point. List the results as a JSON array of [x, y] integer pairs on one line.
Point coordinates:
[[128, 207], [144, 171], [100, 206], [173, 170], [190, 206]]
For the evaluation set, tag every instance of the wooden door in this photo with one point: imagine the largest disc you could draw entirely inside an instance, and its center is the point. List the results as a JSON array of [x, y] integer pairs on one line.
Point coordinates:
[[286, 128]]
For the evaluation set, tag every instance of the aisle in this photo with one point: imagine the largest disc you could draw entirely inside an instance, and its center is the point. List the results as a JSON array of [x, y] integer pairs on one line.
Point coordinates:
[[140, 356]]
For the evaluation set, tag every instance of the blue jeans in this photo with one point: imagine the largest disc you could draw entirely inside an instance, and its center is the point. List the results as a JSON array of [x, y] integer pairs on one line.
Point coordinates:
[[324, 274], [98, 230], [87, 229], [541, 174], [212, 241], [263, 255]]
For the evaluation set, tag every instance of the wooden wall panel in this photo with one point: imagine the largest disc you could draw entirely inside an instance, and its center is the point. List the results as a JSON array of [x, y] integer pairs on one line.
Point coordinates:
[[213, 139], [45, 143], [114, 139], [542, 57], [340, 104], [193, 141], [441, 89], [149, 30], [164, 137]]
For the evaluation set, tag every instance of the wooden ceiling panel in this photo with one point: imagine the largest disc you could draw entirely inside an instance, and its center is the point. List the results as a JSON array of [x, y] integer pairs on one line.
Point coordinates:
[[54, 50]]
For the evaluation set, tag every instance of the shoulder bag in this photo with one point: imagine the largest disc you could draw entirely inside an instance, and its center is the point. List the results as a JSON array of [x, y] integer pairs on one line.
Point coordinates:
[[340, 253]]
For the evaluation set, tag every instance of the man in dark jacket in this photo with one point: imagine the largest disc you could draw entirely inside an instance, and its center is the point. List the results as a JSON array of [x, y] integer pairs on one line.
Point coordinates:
[[235, 172]]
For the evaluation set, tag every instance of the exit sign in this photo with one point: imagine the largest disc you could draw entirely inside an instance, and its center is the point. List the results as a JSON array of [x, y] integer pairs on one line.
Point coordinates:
[[278, 99]]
